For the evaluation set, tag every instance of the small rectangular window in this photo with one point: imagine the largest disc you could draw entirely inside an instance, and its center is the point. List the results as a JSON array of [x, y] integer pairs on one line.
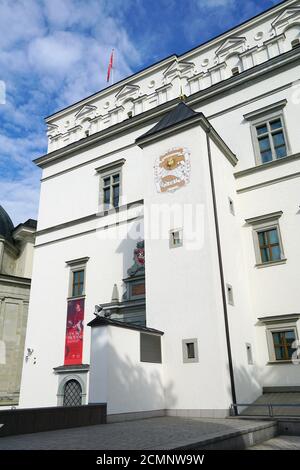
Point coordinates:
[[231, 206], [78, 283], [176, 238], [271, 140], [111, 190], [77, 275], [295, 43], [249, 353], [282, 342], [269, 245], [190, 350], [267, 239], [110, 184], [150, 348], [229, 294]]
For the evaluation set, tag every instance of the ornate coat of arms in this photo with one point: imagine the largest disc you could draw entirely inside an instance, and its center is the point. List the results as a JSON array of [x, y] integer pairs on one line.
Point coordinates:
[[139, 260], [172, 170]]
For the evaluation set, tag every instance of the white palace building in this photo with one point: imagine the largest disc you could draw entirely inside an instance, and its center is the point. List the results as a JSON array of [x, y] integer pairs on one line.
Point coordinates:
[[171, 202]]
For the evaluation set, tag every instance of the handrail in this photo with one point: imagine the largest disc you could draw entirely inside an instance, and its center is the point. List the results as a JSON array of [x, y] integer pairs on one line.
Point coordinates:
[[270, 406]]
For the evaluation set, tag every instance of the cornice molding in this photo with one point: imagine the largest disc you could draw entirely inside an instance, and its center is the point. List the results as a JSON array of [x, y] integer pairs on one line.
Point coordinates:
[[264, 218], [75, 262], [267, 166], [195, 98], [218, 40], [266, 109], [89, 218], [110, 166]]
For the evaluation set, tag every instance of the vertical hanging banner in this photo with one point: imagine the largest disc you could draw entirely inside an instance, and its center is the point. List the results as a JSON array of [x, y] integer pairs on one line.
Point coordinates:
[[74, 332]]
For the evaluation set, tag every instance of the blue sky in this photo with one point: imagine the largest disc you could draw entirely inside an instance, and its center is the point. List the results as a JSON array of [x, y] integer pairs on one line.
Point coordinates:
[[55, 52]]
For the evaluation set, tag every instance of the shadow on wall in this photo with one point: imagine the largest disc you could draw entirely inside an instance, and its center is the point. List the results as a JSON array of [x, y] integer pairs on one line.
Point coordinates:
[[249, 389], [127, 245], [135, 386], [247, 385]]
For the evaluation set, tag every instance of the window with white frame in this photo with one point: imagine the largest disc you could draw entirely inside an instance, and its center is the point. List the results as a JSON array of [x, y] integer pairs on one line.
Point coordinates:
[[176, 238], [269, 133], [271, 140], [190, 350], [77, 277], [111, 189], [282, 337], [267, 239], [110, 184]]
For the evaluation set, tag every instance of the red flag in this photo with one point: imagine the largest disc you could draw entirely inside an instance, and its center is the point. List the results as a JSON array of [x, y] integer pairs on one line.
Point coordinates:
[[110, 65]]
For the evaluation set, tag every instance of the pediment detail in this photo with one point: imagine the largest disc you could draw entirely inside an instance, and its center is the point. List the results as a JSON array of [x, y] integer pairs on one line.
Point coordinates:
[[182, 67], [86, 111], [52, 130], [233, 44], [286, 18], [128, 91]]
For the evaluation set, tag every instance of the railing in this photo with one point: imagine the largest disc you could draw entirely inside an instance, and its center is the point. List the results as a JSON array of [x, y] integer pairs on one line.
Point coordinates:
[[270, 406]]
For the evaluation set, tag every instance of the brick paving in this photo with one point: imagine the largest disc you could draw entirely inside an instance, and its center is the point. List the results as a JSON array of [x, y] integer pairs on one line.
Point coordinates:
[[151, 433]]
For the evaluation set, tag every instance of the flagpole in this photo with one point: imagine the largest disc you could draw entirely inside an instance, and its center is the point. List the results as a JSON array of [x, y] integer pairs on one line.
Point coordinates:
[[113, 66]]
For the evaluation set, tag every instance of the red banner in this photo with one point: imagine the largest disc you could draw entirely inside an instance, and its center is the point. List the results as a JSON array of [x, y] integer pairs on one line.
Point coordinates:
[[74, 332]]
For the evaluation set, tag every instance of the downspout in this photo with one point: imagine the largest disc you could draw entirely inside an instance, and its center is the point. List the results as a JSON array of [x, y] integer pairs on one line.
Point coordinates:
[[227, 332]]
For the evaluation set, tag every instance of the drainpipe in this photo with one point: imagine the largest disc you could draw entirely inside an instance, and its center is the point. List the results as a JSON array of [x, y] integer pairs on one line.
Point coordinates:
[[227, 332]]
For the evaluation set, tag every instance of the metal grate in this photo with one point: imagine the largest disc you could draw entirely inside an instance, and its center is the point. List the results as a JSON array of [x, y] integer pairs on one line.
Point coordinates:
[[72, 393]]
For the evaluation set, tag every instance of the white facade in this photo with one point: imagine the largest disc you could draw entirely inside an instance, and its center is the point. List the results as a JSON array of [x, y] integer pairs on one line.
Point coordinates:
[[215, 288]]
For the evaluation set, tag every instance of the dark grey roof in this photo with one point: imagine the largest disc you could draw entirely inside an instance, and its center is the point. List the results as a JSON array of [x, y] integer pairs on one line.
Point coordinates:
[[182, 112], [103, 321], [31, 223], [6, 225]]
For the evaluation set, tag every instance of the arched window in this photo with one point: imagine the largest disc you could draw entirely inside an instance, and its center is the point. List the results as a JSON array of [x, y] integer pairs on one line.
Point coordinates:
[[72, 393]]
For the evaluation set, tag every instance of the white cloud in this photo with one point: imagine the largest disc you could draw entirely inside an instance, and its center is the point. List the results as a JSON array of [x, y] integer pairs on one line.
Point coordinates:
[[19, 197], [52, 53], [56, 53], [20, 20]]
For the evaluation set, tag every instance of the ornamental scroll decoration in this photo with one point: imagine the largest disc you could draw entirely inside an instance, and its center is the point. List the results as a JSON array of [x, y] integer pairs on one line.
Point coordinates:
[[172, 170]]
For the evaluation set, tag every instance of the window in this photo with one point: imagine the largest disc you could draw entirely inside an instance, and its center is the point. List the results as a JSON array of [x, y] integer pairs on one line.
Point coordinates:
[[77, 276], [282, 342], [235, 71], [78, 283], [271, 140], [110, 184], [282, 337], [295, 43], [175, 238], [111, 190], [150, 348], [229, 294], [249, 353], [72, 393], [190, 350], [231, 206], [269, 134], [269, 245], [267, 239]]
